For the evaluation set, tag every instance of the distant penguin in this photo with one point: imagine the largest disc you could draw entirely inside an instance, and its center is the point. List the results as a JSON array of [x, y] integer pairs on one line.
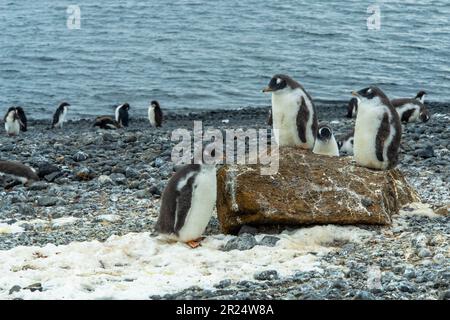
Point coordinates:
[[411, 110], [12, 122], [293, 113], [122, 114], [60, 115], [378, 130], [18, 171], [155, 115], [352, 108], [346, 144], [107, 123], [187, 203], [325, 142]]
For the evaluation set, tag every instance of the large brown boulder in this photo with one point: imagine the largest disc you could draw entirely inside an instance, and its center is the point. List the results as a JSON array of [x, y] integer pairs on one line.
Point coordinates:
[[309, 189]]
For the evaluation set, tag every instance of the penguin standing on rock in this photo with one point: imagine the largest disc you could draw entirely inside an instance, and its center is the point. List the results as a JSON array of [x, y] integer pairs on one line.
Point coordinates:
[[12, 122], [60, 115], [293, 113], [155, 115], [411, 110], [187, 203], [378, 130], [18, 172], [122, 114], [326, 143]]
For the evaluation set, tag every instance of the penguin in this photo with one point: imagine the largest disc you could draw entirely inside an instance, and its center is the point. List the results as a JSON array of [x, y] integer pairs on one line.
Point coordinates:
[[106, 122], [60, 115], [325, 142], [346, 144], [352, 108], [155, 115], [187, 203], [293, 113], [122, 114], [18, 171], [378, 130], [23, 119], [411, 110], [12, 122]]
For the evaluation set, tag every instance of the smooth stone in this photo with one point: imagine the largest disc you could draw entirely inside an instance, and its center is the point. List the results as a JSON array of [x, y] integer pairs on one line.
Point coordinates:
[[269, 241], [266, 275], [243, 242]]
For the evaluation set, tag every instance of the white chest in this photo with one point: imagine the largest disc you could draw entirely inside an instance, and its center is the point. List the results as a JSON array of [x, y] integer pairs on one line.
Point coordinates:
[[202, 205], [328, 148], [285, 107], [151, 115], [12, 126]]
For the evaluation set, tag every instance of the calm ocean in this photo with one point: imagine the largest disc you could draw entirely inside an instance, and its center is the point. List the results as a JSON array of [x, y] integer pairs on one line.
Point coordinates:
[[215, 54]]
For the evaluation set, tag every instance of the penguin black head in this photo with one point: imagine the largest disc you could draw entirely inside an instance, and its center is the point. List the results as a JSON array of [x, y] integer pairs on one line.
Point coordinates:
[[324, 132], [155, 104], [125, 106], [280, 82], [64, 104], [371, 93], [420, 95]]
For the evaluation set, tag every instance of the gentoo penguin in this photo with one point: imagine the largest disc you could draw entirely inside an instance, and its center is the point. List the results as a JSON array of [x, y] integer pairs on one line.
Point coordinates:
[[122, 114], [23, 118], [410, 110], [187, 203], [12, 122], [60, 115], [18, 171], [377, 130], [293, 113], [155, 115], [346, 144], [325, 142], [106, 122], [352, 108]]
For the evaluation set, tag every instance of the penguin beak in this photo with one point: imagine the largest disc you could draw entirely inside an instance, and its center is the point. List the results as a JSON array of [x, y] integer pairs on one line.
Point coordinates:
[[354, 93], [267, 89]]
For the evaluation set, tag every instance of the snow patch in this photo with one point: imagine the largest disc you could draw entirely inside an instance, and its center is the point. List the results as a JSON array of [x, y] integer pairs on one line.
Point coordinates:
[[10, 228], [419, 209]]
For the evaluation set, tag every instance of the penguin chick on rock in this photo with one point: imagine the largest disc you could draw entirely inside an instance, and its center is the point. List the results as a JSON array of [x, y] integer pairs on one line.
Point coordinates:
[[325, 142]]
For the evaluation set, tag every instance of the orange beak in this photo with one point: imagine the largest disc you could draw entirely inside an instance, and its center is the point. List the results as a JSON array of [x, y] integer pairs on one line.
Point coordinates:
[[267, 89]]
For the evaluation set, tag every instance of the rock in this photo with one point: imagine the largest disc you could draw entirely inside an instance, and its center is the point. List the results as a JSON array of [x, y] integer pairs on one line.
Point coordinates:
[[439, 258], [364, 295], [266, 275], [105, 180], [424, 253], [223, 284], [409, 273], [46, 168], [84, 174], [444, 210], [407, 287], [34, 287], [52, 176], [38, 185], [130, 139], [315, 190], [131, 173], [269, 241], [119, 178], [46, 201], [80, 156], [26, 209], [248, 229], [426, 153], [143, 194], [445, 295], [15, 288], [243, 242]]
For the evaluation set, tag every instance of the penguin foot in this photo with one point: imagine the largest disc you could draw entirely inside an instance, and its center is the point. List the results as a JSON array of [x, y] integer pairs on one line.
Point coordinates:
[[195, 243]]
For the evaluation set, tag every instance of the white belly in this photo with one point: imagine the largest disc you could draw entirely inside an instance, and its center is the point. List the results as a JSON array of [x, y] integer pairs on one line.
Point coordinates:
[[329, 148], [12, 127], [202, 205], [117, 113], [151, 116], [347, 147], [62, 118], [366, 128], [284, 114]]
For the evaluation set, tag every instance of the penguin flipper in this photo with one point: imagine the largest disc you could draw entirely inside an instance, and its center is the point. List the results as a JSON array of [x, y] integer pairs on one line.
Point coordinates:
[[382, 135], [302, 118]]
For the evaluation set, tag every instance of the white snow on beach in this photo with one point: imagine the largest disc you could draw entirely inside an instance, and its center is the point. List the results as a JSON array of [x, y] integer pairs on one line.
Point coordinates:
[[136, 265]]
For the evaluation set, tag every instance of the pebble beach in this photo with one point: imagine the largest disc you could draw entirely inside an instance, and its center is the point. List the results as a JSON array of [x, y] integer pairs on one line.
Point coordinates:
[[101, 189]]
